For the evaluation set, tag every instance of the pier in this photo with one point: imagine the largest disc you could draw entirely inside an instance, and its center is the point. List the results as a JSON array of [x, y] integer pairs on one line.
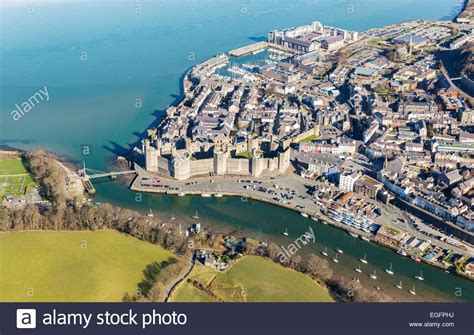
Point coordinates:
[[248, 49]]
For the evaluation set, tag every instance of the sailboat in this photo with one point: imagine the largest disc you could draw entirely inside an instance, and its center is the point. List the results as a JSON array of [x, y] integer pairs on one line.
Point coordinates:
[[420, 277], [196, 215], [339, 250], [399, 285], [412, 291], [335, 260], [285, 232], [358, 269], [150, 213], [172, 217], [325, 252], [373, 276], [364, 260], [390, 270]]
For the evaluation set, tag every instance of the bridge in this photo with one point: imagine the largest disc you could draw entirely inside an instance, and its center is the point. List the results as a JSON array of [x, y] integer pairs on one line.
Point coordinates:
[[86, 174]]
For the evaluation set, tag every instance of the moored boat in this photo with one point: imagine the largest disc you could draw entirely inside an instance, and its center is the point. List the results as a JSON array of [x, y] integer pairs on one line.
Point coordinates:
[[365, 238], [325, 252], [373, 276], [420, 276], [402, 252], [390, 270]]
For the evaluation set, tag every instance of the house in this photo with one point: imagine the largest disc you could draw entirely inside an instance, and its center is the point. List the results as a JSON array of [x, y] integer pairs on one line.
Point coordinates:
[[450, 178], [368, 187]]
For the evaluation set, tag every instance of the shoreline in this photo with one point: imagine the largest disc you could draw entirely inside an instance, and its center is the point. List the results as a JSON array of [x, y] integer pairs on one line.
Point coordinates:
[[318, 217]]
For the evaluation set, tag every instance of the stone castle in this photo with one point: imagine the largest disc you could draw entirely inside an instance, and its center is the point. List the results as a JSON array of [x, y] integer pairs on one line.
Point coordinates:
[[181, 165]]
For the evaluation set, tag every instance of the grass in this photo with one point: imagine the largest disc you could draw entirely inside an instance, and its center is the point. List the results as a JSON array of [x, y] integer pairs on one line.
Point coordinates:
[[253, 279], [309, 139], [18, 181], [73, 266]]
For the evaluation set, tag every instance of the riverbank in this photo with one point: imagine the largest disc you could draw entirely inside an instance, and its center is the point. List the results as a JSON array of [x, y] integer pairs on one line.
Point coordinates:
[[302, 203]]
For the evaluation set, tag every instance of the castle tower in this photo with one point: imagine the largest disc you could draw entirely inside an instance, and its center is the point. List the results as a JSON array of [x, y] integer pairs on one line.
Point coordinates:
[[284, 160], [256, 164], [181, 167], [151, 157], [252, 144], [220, 163]]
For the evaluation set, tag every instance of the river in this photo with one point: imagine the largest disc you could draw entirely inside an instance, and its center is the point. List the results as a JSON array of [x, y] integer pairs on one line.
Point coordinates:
[[112, 67]]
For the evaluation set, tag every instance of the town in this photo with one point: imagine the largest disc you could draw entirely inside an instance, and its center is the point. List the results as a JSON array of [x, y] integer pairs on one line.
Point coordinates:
[[367, 131]]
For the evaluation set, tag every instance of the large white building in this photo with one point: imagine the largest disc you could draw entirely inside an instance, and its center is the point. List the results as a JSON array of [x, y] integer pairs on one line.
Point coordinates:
[[347, 180]]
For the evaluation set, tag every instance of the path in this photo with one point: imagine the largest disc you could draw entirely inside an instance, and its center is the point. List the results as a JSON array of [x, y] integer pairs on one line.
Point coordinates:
[[179, 279]]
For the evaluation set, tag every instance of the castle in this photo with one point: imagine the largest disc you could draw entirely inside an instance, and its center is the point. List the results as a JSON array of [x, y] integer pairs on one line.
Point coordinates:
[[181, 165]]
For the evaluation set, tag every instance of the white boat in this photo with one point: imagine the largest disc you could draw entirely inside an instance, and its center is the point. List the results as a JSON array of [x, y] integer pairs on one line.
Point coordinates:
[[364, 260], [364, 238], [181, 194], [353, 234], [335, 260], [412, 291], [339, 250], [373, 276], [205, 195], [285, 232], [304, 215], [314, 218], [390, 270], [150, 214], [358, 269], [196, 215], [399, 285], [218, 195], [420, 277], [325, 252], [402, 253], [172, 217]]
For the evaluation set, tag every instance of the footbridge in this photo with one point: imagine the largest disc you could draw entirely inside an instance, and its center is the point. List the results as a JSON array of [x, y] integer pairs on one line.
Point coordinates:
[[87, 174]]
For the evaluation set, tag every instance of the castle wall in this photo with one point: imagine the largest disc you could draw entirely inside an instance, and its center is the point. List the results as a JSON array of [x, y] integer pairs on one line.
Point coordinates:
[[201, 167], [238, 166]]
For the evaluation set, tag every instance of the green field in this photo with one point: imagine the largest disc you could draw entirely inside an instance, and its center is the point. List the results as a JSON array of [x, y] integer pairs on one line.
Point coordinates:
[[14, 177], [73, 266], [253, 279]]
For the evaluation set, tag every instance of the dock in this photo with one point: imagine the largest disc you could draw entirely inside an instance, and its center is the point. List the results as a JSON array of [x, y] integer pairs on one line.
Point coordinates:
[[248, 49]]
